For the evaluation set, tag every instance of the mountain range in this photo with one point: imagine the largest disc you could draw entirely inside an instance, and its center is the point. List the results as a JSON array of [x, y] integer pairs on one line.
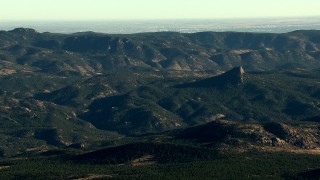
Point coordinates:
[[88, 53], [91, 97]]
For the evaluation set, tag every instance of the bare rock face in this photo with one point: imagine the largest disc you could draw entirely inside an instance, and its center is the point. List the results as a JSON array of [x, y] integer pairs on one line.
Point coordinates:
[[241, 74]]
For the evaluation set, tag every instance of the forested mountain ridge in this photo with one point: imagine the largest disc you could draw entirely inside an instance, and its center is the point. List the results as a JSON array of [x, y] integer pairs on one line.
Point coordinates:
[[88, 53]]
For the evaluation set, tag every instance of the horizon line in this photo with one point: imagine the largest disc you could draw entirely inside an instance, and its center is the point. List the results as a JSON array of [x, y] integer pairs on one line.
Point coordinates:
[[159, 19]]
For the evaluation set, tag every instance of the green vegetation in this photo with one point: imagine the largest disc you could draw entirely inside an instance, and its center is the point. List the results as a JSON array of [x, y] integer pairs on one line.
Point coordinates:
[[249, 165]]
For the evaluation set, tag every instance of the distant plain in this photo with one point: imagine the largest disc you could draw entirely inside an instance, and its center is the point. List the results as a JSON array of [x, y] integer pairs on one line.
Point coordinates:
[[270, 25]]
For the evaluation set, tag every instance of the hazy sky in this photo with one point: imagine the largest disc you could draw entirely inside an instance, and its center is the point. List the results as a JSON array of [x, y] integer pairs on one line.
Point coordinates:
[[153, 9]]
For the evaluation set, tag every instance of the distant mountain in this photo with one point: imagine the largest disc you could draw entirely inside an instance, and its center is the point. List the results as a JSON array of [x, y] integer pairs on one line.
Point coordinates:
[[90, 53]]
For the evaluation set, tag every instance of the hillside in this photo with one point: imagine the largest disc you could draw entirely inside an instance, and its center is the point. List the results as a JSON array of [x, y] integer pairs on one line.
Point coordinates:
[[288, 96]]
